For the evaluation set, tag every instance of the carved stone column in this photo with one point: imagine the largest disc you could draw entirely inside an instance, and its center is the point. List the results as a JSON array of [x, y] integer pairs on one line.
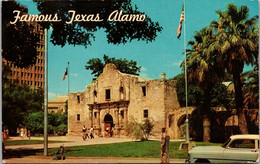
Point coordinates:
[[117, 128], [125, 119], [91, 115], [98, 121]]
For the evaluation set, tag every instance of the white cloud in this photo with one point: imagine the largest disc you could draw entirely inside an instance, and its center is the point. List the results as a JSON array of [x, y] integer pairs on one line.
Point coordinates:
[[143, 74], [51, 95], [74, 74], [143, 69], [178, 63]]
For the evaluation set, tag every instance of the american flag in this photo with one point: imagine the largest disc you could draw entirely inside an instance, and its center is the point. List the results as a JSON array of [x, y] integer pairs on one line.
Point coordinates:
[[180, 24], [66, 72]]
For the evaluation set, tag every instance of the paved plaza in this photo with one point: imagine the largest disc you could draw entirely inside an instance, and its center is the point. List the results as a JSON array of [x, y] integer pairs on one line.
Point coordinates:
[[76, 141]]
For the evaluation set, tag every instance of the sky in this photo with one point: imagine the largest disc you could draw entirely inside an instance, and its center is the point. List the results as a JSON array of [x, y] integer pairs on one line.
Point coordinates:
[[162, 55]]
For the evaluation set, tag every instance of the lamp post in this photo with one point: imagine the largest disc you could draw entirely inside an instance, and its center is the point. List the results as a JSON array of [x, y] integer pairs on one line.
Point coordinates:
[[45, 92]]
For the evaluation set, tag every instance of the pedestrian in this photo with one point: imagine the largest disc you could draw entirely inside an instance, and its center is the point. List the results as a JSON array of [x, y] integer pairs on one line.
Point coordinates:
[[91, 132], [107, 132], [59, 155], [4, 135], [87, 131], [7, 133], [84, 132], [163, 147], [112, 131], [29, 134]]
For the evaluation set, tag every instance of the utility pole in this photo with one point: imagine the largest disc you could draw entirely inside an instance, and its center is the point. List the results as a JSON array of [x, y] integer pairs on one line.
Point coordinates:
[[46, 92]]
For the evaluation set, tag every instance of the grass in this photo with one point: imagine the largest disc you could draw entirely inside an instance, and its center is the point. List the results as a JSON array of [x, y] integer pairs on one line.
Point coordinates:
[[27, 142], [146, 149]]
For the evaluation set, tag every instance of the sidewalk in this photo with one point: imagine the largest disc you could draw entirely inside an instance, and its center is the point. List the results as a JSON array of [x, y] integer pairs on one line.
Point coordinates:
[[70, 141], [33, 159]]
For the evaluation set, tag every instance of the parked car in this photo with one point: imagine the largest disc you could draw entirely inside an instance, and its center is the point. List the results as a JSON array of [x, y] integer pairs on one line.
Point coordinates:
[[238, 149]]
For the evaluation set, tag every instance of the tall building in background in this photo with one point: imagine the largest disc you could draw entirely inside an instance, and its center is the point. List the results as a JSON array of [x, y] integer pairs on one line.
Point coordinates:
[[32, 76]]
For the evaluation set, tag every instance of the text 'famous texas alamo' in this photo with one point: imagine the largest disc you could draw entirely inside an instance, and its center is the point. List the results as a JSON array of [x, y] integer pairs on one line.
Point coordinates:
[[116, 15]]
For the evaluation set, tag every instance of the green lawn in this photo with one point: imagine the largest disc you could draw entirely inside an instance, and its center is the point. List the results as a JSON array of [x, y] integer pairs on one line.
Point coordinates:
[[27, 142], [147, 149]]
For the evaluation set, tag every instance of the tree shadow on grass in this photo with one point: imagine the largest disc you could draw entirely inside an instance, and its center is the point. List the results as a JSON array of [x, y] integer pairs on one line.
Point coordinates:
[[19, 153]]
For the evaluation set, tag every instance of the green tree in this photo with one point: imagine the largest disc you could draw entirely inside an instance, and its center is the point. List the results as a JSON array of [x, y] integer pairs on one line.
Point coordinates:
[[251, 88], [57, 123], [195, 94], [17, 102], [19, 42], [236, 44], [83, 33], [123, 65], [202, 70]]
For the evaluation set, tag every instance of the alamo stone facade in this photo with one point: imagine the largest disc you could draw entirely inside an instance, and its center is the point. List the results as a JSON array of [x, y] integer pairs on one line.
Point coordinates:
[[114, 98]]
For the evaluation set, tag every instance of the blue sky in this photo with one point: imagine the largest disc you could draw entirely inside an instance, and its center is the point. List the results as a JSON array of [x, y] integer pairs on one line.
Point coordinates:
[[162, 55]]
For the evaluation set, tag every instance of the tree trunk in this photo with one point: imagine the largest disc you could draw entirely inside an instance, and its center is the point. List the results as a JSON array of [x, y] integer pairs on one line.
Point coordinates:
[[206, 120], [239, 100], [206, 129]]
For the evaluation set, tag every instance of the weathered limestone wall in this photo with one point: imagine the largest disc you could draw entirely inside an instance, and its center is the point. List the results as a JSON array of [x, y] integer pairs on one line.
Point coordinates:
[[77, 105], [153, 102]]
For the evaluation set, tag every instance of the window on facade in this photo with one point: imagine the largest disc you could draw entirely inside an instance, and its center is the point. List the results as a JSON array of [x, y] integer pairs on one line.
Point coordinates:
[[121, 89], [146, 113], [78, 98], [78, 117], [108, 94], [95, 93], [95, 114], [144, 90]]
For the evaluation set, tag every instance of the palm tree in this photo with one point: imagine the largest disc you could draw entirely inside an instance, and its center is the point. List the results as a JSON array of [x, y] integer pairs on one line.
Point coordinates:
[[251, 87], [202, 70], [236, 44]]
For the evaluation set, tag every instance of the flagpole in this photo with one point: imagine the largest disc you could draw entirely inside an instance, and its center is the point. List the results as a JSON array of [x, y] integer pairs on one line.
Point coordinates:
[[68, 79], [45, 92], [186, 80]]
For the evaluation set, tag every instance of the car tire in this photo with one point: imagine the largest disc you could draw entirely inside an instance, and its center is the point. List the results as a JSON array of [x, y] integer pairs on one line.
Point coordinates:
[[202, 161]]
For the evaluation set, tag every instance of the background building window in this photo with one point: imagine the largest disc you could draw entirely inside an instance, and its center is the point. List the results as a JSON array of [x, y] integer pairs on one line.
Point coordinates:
[[78, 98], [78, 117], [144, 90], [146, 113], [108, 94]]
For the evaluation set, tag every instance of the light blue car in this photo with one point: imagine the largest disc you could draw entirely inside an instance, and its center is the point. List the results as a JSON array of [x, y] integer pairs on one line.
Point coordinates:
[[238, 149]]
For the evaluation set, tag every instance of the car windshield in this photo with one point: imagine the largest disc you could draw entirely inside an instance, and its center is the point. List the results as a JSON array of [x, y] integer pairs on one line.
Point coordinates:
[[225, 144]]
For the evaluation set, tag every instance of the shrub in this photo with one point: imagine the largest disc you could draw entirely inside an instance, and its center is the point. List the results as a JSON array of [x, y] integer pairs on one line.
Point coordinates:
[[140, 130], [61, 130]]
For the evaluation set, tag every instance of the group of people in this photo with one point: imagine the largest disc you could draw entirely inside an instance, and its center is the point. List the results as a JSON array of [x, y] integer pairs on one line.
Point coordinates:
[[87, 133]]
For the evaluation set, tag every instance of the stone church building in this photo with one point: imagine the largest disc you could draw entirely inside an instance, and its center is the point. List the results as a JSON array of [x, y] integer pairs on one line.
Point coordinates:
[[114, 98]]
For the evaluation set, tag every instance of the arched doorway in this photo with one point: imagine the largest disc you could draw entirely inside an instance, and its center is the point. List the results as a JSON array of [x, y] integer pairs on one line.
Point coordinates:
[[182, 126], [108, 119]]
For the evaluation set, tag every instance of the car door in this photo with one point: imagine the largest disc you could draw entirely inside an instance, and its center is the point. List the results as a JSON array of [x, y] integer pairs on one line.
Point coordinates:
[[241, 151]]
